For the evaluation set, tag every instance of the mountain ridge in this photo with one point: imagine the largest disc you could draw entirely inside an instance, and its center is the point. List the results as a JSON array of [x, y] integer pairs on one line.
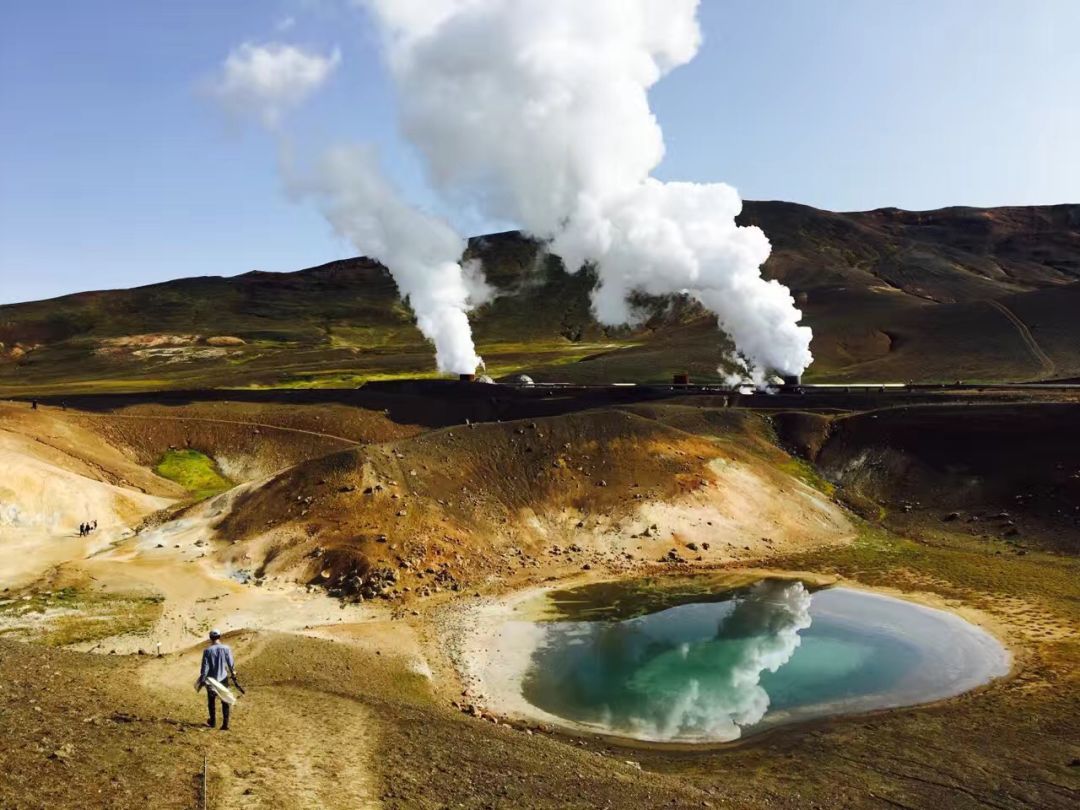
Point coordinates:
[[886, 292]]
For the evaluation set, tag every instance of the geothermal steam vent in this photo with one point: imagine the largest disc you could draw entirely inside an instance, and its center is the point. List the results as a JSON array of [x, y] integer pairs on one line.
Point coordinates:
[[548, 126]]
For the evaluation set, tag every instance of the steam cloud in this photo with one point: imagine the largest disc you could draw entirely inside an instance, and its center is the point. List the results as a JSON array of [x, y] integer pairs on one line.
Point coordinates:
[[269, 80], [422, 252], [537, 111]]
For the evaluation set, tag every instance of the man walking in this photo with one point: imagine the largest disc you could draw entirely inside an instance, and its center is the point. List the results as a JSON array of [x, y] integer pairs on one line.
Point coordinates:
[[217, 663]]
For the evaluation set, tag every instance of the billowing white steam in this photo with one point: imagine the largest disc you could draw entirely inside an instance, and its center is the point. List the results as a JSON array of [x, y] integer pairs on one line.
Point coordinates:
[[423, 253], [537, 111]]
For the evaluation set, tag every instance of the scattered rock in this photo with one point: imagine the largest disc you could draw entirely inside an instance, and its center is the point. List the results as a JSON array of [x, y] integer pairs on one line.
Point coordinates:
[[63, 753]]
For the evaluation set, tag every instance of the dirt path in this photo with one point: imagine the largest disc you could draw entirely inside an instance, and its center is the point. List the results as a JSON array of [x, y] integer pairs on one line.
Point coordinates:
[[292, 745], [176, 561], [1048, 366], [310, 749], [261, 425], [289, 747]]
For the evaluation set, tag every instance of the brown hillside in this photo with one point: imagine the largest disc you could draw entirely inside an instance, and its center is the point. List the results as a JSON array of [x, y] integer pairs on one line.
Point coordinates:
[[995, 472], [461, 505], [890, 294], [248, 440]]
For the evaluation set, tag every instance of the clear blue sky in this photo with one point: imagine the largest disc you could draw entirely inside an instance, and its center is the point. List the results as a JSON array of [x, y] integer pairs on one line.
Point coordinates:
[[116, 170]]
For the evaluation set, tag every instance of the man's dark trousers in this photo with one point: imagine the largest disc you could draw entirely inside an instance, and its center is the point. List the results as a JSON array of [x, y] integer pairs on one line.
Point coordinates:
[[211, 705]]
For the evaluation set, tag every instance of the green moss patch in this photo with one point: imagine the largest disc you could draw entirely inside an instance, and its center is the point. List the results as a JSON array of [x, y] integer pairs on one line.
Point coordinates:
[[194, 471], [808, 474]]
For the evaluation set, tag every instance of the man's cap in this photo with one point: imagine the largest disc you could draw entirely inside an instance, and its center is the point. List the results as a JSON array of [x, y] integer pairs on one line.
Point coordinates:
[[215, 633]]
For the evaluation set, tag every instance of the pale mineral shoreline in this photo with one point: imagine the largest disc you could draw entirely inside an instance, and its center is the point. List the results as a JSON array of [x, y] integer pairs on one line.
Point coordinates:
[[495, 640]]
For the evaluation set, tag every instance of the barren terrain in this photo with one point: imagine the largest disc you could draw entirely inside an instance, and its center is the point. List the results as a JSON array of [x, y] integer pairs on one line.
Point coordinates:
[[357, 550], [930, 296]]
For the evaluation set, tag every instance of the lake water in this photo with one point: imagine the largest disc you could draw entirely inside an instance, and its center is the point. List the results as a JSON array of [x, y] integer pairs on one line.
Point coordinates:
[[742, 660]]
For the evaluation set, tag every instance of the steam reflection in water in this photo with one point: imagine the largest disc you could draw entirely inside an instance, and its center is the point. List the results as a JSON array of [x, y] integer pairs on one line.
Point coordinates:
[[771, 653]]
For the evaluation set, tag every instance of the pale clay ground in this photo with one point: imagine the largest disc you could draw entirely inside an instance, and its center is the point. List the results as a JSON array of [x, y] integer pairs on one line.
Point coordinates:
[[56, 474]]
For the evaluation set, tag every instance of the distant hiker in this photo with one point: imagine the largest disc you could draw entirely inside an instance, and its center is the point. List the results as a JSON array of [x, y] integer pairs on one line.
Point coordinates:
[[217, 663], [93, 526], [82, 530], [33, 404]]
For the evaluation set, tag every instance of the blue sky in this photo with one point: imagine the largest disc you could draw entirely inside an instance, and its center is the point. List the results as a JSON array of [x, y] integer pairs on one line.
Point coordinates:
[[116, 169]]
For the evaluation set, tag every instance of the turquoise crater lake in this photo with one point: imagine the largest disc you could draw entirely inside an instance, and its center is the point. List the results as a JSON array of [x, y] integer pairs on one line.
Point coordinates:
[[715, 667]]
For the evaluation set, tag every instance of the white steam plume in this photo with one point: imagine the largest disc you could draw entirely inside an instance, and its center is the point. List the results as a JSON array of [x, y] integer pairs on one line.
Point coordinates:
[[269, 80], [423, 253], [537, 110]]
